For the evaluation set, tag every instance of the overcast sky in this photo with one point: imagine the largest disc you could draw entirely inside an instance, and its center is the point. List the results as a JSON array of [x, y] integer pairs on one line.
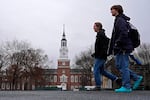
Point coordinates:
[[40, 22]]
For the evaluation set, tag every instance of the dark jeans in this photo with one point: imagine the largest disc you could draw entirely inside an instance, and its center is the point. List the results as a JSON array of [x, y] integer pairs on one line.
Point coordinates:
[[99, 70], [122, 64]]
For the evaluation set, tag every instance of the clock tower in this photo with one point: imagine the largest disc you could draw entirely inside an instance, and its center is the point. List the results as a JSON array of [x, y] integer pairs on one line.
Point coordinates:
[[64, 48], [64, 64], [63, 61]]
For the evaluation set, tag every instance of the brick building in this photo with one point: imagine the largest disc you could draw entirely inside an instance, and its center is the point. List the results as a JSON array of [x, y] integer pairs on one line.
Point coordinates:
[[64, 76]]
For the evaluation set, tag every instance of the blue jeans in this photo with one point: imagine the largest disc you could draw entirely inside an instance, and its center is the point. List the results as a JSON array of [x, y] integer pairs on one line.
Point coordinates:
[[99, 70], [122, 64], [135, 60]]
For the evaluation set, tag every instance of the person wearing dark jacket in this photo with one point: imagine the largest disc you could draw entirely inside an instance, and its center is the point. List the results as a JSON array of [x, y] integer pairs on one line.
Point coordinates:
[[121, 46], [101, 46]]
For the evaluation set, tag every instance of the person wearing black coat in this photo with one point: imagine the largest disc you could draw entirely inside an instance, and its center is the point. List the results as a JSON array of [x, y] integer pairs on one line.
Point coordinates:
[[121, 46], [101, 46], [120, 41]]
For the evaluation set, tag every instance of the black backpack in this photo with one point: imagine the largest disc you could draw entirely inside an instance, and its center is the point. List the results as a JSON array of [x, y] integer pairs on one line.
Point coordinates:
[[134, 35]]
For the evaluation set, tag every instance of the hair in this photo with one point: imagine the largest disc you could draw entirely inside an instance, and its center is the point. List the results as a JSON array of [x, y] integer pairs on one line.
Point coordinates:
[[99, 25], [118, 8]]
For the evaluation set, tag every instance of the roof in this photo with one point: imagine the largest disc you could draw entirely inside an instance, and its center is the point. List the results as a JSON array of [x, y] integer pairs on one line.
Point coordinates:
[[50, 71], [54, 71]]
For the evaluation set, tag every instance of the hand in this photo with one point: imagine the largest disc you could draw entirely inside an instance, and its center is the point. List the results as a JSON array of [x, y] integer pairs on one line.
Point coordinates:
[[93, 55]]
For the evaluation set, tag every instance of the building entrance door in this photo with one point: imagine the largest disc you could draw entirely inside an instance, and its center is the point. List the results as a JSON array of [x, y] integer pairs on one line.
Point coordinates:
[[64, 86]]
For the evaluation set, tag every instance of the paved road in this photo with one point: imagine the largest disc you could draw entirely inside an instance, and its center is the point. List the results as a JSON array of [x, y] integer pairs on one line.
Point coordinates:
[[70, 95]]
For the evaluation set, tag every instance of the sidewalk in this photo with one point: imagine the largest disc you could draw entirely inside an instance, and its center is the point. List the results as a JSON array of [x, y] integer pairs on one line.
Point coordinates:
[[70, 95]]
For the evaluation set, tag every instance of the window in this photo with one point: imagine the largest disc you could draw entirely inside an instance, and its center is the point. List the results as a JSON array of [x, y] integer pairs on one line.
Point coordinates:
[[55, 78], [18, 86], [3, 85], [63, 78], [76, 79], [72, 78], [80, 78], [72, 87], [64, 44], [51, 79], [8, 86], [47, 78]]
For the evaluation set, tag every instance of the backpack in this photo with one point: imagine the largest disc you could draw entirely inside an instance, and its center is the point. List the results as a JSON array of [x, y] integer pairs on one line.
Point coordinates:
[[134, 35]]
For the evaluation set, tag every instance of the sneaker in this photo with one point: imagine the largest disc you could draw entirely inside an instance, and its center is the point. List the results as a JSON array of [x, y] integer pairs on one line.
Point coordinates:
[[123, 90], [137, 83]]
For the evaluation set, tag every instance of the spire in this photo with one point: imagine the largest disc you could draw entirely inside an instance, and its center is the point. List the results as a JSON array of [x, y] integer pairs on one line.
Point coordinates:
[[64, 35], [64, 30]]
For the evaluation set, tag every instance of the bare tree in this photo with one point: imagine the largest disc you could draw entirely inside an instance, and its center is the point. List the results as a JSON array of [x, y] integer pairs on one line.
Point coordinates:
[[85, 62], [3, 62], [32, 61], [22, 61], [7, 50], [143, 52]]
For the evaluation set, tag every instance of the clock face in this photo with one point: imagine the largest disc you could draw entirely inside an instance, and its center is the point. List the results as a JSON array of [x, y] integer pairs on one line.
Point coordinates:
[[63, 63], [65, 50], [64, 53]]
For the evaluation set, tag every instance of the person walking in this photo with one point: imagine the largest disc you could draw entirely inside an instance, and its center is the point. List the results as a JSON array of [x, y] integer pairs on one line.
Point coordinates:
[[121, 46], [100, 55]]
